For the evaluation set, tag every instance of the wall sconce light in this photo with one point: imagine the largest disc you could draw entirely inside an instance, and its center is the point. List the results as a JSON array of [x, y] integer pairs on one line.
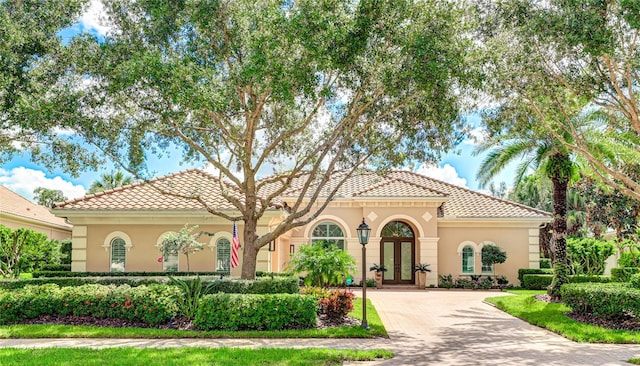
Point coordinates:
[[272, 246], [292, 249]]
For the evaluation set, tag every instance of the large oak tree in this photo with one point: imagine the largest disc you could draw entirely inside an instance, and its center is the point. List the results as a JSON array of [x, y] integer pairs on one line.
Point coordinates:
[[300, 89]]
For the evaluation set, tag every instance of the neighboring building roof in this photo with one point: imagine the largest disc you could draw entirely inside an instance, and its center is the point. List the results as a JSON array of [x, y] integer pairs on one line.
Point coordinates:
[[18, 207], [458, 201]]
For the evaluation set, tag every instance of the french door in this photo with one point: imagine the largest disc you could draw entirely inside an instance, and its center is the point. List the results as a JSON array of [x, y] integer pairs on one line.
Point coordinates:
[[397, 255]]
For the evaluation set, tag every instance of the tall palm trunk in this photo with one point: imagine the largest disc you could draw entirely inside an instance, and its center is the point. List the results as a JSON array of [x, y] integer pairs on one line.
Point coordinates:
[[559, 171]]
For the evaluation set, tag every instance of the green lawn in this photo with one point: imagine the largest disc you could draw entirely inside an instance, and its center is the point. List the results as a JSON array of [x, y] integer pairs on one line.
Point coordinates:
[[68, 331], [552, 317], [185, 356]]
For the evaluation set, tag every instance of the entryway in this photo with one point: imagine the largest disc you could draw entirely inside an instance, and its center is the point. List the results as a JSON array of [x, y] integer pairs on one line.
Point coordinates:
[[397, 253]]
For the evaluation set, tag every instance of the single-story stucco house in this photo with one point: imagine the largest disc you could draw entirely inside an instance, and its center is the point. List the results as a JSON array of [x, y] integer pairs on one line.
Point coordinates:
[[413, 219], [18, 212]]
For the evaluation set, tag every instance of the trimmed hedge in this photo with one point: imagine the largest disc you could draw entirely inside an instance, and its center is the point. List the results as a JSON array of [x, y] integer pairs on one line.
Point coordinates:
[[55, 268], [605, 300], [542, 281], [153, 305], [623, 274], [525, 271], [256, 312], [536, 281], [263, 285], [39, 274]]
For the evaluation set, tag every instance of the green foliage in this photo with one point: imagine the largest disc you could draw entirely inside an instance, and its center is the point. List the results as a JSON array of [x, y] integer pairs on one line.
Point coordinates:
[[53, 268], [153, 305], [524, 271], [635, 281], [629, 254], [256, 312], [40, 274], [606, 300], [446, 281], [623, 274], [421, 267], [543, 281], [213, 284], [323, 265], [378, 268], [545, 263], [65, 252], [110, 181], [25, 250], [588, 255], [47, 197], [192, 291], [181, 242], [492, 254]]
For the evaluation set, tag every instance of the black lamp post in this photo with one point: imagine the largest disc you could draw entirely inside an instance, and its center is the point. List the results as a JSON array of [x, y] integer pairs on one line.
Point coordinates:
[[363, 236]]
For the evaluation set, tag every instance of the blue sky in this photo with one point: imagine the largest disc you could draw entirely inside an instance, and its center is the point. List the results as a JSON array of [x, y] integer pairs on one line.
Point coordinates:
[[22, 175]]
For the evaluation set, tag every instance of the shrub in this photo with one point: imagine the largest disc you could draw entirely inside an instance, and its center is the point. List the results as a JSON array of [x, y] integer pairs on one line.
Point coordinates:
[[325, 264], [39, 274], [584, 278], [525, 271], [256, 312], [545, 263], [336, 305], [55, 268], [153, 305], [263, 285], [605, 300], [536, 281], [623, 274], [192, 291], [635, 281], [446, 281], [629, 259], [588, 255]]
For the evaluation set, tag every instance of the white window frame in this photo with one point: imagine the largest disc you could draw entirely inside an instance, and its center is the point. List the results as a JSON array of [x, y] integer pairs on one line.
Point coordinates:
[[339, 241]]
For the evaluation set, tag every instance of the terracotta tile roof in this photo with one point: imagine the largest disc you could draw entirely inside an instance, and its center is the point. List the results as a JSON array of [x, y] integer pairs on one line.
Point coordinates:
[[13, 204], [145, 196], [464, 202], [458, 201]]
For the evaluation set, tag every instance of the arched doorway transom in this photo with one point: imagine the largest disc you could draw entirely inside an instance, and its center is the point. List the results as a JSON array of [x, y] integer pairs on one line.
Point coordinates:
[[397, 253]]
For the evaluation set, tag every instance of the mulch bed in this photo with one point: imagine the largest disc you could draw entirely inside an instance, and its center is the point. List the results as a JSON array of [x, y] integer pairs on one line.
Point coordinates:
[[177, 323], [622, 322]]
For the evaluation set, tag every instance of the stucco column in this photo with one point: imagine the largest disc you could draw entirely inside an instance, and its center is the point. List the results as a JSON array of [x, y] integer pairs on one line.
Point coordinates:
[[534, 248], [429, 254]]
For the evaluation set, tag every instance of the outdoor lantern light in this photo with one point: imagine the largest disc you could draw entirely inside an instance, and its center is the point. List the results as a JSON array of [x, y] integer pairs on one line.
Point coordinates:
[[272, 246], [363, 236]]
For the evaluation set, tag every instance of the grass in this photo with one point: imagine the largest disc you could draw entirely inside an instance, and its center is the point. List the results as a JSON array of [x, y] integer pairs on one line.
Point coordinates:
[[186, 356], [72, 331], [552, 316]]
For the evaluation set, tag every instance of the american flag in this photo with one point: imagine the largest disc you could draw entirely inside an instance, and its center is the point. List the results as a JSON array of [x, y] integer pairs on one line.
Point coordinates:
[[235, 247]]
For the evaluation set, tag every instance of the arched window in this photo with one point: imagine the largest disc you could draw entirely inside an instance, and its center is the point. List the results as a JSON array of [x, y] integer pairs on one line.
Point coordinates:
[[223, 255], [468, 260], [118, 254], [486, 268], [397, 229], [329, 233]]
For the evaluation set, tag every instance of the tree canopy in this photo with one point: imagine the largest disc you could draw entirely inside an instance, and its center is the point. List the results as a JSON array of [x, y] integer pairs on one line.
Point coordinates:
[[293, 89], [33, 58], [110, 181], [573, 67], [47, 197]]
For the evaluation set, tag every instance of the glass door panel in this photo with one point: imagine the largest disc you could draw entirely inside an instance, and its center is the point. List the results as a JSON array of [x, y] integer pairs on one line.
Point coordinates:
[[406, 267], [388, 256]]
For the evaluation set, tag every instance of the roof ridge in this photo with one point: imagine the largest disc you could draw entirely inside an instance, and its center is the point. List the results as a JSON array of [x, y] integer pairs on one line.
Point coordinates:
[[375, 186], [469, 190]]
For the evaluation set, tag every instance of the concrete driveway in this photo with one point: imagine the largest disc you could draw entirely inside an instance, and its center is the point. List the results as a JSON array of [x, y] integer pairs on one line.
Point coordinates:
[[458, 328]]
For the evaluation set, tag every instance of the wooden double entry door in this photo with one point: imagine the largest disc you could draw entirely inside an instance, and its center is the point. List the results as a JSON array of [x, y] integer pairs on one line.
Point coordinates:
[[398, 256]]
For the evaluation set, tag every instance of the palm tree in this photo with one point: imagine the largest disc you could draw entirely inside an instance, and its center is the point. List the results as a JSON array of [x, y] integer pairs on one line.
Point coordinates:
[[554, 160], [110, 181]]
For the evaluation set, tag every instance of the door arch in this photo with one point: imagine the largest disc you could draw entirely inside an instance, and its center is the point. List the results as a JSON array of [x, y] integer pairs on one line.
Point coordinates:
[[397, 253]]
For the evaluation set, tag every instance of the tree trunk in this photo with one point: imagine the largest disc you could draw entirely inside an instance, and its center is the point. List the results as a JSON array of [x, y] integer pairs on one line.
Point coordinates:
[[251, 248], [559, 173]]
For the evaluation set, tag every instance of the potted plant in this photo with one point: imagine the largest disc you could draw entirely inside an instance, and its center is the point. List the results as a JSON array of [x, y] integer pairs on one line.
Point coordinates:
[[379, 269], [421, 269]]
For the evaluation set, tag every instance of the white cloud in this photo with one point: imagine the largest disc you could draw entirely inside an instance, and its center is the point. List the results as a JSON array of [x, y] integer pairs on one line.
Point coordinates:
[[476, 136], [446, 173], [94, 18], [23, 181]]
